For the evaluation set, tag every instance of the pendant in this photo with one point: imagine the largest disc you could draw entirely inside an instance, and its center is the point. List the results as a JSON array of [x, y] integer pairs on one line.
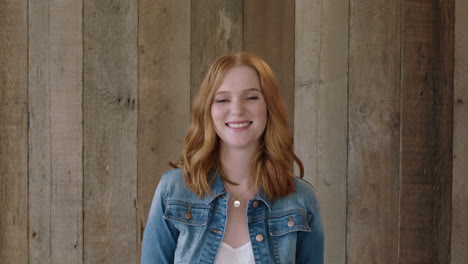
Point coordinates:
[[236, 203]]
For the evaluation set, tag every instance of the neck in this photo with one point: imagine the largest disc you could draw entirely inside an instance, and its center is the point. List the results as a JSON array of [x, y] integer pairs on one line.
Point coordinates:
[[236, 164]]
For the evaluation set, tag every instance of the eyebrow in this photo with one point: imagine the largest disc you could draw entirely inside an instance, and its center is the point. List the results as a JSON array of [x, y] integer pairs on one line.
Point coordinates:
[[244, 91]]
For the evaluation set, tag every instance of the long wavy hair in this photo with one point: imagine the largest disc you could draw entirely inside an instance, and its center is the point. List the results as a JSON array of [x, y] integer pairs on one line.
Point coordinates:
[[271, 165]]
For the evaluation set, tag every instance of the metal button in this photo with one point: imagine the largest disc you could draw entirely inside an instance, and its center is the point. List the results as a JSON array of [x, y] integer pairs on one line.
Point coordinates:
[[259, 237], [291, 223], [255, 204], [188, 215]]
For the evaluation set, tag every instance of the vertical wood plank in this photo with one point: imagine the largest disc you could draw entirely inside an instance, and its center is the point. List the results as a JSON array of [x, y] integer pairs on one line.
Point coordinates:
[[216, 30], [66, 130], [459, 242], [13, 133], [109, 116], [40, 160], [320, 111], [373, 139], [426, 134], [269, 33], [55, 131], [163, 92]]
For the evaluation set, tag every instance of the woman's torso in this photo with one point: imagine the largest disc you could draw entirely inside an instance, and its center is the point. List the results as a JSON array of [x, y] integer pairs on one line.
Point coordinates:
[[273, 226]]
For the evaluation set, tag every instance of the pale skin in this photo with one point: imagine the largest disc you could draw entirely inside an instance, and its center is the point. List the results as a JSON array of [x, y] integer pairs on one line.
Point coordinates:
[[239, 115]]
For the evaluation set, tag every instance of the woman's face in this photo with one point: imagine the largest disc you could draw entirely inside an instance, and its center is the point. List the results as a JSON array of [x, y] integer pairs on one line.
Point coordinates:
[[238, 110]]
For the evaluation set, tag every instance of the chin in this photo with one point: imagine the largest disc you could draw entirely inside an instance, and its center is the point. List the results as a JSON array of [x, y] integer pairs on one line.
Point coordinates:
[[241, 145]]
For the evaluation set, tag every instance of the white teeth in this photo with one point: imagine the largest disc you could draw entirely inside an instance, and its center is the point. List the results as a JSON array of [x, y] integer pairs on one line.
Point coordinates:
[[239, 125]]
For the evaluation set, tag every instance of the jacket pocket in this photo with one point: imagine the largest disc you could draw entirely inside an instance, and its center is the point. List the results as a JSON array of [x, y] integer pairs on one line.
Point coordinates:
[[190, 219], [189, 214], [288, 221]]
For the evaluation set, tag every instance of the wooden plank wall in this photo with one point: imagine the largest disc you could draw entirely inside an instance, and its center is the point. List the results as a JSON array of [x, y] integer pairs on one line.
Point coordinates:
[[163, 93], [13, 132], [40, 169], [110, 131], [373, 133], [216, 30], [320, 111], [368, 86], [459, 234], [55, 132], [426, 134]]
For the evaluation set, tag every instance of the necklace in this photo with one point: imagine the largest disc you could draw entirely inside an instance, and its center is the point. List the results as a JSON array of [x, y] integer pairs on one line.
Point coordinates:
[[236, 202]]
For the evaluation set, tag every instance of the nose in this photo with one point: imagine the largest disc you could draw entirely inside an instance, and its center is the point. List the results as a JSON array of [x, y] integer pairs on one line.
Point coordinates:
[[237, 108]]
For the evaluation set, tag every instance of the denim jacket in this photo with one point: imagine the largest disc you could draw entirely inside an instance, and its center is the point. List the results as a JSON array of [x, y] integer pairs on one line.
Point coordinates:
[[182, 228]]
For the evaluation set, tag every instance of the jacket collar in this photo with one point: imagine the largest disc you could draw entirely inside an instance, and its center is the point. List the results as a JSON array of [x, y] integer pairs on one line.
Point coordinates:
[[217, 189]]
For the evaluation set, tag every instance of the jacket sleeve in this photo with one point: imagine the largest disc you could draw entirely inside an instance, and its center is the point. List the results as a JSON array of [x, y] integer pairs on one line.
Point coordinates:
[[160, 235], [310, 245]]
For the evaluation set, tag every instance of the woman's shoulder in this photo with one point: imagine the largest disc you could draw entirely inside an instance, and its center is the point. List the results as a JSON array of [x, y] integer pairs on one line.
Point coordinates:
[[173, 176], [305, 189], [304, 196], [303, 186], [173, 185]]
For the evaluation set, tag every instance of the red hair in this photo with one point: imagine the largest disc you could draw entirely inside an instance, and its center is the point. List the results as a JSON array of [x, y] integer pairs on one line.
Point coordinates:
[[271, 165]]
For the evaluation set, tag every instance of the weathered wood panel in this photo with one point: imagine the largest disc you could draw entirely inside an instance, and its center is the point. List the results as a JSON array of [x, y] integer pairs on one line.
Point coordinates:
[[66, 130], [269, 33], [163, 91], [426, 133], [459, 243], [55, 132], [373, 146], [13, 133], [109, 116], [40, 160], [320, 111], [216, 30]]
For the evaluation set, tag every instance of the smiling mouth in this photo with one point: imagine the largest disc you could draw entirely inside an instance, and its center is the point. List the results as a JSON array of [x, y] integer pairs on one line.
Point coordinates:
[[239, 125]]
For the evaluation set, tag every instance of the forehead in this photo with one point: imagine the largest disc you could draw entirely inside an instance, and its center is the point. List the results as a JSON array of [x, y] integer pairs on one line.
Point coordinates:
[[239, 78]]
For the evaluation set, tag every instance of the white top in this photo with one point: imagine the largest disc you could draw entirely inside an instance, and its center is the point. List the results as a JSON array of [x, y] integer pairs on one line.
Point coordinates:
[[230, 255]]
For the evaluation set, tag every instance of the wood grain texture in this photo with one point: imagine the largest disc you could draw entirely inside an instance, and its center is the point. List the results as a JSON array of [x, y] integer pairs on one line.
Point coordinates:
[[373, 146], [66, 130], [269, 33], [13, 133], [163, 91], [40, 160], [426, 133], [459, 237], [216, 30], [55, 132], [320, 111], [110, 139]]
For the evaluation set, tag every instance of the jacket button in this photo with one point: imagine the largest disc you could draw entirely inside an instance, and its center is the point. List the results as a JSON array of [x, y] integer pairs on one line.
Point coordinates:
[[291, 223], [259, 237], [255, 204], [188, 215]]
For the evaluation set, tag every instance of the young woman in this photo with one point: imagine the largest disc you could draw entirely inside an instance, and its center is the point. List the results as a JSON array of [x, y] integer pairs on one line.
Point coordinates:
[[233, 197]]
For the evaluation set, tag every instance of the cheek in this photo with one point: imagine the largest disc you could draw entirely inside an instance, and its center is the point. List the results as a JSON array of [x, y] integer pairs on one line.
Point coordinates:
[[262, 112], [216, 114]]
